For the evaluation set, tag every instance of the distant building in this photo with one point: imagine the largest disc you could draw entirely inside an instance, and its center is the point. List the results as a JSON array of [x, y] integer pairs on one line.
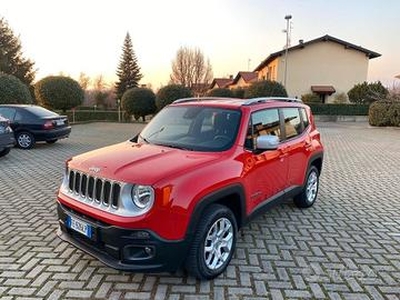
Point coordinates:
[[243, 79], [324, 66], [221, 83]]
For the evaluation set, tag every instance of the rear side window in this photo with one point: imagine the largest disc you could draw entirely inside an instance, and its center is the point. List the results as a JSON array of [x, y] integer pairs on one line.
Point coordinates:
[[23, 115], [41, 112], [293, 122]]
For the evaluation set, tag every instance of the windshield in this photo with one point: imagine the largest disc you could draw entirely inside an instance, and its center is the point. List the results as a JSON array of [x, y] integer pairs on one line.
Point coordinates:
[[195, 128]]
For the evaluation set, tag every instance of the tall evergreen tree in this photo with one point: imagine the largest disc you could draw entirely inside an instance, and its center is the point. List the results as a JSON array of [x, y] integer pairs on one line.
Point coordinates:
[[128, 70], [12, 61]]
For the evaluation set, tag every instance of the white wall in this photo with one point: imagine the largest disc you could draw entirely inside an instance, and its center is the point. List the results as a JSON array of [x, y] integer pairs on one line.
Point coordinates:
[[324, 63]]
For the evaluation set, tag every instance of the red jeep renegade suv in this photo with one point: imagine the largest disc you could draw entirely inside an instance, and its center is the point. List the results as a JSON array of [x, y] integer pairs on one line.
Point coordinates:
[[177, 194]]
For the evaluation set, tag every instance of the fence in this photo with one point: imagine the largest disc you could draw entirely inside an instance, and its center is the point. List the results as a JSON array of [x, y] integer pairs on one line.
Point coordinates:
[[77, 116]]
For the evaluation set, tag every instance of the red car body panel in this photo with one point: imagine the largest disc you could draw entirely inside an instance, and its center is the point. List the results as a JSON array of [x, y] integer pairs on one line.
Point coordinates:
[[182, 179]]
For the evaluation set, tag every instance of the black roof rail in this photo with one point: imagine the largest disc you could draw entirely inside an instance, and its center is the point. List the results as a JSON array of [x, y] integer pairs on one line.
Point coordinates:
[[265, 99]]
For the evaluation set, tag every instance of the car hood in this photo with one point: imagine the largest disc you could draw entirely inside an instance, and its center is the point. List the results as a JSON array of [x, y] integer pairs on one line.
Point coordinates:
[[139, 163]]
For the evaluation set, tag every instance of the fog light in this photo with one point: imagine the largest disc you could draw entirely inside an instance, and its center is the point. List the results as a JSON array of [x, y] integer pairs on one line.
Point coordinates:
[[138, 252]]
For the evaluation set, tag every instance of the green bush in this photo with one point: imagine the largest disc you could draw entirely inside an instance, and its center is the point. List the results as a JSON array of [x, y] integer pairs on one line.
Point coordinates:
[[384, 113], [340, 98], [169, 93], [339, 109], [220, 92], [310, 98], [12, 90], [367, 93], [59, 92], [266, 88], [239, 93], [139, 102]]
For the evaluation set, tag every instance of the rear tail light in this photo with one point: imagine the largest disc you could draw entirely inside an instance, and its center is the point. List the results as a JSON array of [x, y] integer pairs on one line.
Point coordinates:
[[48, 125]]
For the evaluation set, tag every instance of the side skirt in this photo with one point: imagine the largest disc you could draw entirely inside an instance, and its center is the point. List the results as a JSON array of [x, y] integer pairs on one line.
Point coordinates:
[[275, 200]]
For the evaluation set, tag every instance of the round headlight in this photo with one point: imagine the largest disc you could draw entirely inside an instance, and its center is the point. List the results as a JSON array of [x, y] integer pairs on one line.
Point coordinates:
[[143, 196]]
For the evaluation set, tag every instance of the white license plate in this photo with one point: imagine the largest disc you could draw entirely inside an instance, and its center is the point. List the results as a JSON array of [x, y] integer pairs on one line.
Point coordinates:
[[79, 226], [59, 122]]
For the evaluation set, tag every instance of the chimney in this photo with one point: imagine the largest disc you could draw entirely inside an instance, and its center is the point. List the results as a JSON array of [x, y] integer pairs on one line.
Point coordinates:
[[230, 77], [301, 42]]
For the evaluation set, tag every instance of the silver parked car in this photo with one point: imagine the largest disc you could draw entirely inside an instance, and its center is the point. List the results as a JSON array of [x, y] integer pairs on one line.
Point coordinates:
[[7, 140]]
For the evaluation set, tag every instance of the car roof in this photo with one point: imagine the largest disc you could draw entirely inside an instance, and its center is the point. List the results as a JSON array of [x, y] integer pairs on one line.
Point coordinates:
[[19, 105], [235, 103]]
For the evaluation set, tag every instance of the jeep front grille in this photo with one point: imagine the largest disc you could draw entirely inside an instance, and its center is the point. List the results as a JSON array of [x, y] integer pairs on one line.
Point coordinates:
[[99, 190]]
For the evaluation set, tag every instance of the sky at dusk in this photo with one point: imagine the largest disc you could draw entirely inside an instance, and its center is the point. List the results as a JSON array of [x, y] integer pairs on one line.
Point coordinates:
[[87, 35]]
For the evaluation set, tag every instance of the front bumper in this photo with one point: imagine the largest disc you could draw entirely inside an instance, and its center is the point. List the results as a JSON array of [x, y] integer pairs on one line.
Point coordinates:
[[123, 249]]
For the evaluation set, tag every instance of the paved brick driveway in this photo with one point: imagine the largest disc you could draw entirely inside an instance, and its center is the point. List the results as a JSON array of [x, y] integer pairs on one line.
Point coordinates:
[[346, 247]]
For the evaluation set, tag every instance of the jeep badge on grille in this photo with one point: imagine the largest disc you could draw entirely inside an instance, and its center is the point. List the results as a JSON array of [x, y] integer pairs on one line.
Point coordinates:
[[95, 169]]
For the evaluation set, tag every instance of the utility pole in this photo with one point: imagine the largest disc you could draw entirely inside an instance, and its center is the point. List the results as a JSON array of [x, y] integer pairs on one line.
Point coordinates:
[[287, 18]]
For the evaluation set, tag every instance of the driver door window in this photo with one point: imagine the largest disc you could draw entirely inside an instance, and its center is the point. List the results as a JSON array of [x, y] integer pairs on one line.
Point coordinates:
[[264, 122]]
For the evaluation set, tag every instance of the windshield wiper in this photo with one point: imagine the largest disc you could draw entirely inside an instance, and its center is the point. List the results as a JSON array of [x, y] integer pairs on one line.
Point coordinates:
[[175, 146], [147, 139], [144, 139]]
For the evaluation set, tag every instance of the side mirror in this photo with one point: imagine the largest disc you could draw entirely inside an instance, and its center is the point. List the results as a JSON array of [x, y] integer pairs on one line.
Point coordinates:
[[135, 139], [267, 142]]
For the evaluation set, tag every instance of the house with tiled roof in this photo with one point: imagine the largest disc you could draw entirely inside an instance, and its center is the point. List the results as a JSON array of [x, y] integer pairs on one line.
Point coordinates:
[[325, 66], [221, 83], [243, 79]]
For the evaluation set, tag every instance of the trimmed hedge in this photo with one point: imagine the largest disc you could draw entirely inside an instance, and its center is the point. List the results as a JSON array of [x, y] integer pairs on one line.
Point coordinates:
[[265, 88], [220, 92], [13, 90], [384, 113], [310, 98], [93, 115], [59, 92], [317, 109], [169, 93], [339, 109], [97, 108]]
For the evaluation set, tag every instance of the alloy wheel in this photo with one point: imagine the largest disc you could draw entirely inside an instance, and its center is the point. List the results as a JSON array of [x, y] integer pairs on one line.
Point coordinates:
[[218, 243]]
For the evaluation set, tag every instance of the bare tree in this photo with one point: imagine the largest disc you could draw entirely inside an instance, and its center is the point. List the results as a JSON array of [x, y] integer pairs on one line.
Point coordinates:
[[84, 81], [99, 83], [101, 92], [191, 69]]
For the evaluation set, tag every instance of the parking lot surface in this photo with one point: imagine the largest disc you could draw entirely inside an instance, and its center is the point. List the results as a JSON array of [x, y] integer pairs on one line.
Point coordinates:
[[347, 246]]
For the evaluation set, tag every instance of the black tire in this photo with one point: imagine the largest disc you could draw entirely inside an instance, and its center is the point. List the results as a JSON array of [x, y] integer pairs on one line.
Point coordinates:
[[4, 152], [199, 261], [25, 140], [51, 141], [309, 194]]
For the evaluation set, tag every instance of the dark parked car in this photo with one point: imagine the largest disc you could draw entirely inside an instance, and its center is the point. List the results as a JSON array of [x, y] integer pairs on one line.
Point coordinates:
[[32, 123], [7, 140]]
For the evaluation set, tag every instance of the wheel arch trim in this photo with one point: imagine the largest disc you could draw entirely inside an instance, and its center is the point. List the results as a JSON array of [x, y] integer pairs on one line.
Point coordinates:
[[216, 197]]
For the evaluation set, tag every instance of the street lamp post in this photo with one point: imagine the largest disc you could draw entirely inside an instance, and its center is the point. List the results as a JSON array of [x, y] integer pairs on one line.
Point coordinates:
[[119, 110], [287, 18]]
